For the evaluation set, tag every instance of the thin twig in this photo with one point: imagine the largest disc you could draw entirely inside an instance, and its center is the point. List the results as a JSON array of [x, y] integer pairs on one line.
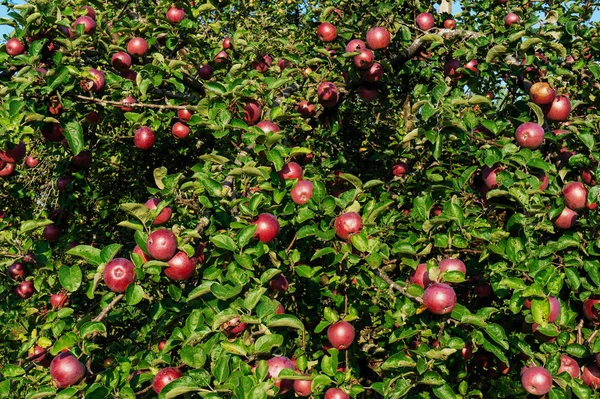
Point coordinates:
[[397, 287], [119, 104], [107, 309]]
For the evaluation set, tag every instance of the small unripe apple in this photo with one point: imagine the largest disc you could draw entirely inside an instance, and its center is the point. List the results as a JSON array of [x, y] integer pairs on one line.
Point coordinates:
[[83, 160], [279, 283], [367, 94]]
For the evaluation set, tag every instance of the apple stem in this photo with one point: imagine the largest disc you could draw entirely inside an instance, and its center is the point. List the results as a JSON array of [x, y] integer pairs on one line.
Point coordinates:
[[397, 287]]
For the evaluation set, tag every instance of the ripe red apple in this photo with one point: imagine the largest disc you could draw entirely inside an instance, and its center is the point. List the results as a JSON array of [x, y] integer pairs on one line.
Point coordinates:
[[51, 233], [591, 376], [536, 380], [181, 267], [554, 309], [511, 18], [467, 352], [13, 153], [367, 94], [566, 219], [58, 301], [276, 364], [449, 23], [529, 135], [83, 160], [89, 11], [302, 192], [14, 47], [303, 387], [145, 257], [558, 110], [25, 289], [97, 82], [425, 21], [488, 175], [252, 112], [62, 183], [280, 309], [378, 38], [348, 224], [570, 366], [31, 162], [66, 370], [16, 271], [452, 264], [180, 130], [161, 345], [164, 377], [164, 215], [7, 169], [336, 393], [263, 63], [233, 328], [52, 132], [439, 298], [227, 43], [472, 66], [587, 177], [267, 227], [365, 59], [129, 74], [118, 274], [205, 72], [543, 178], [221, 57], [127, 100], [137, 46], [283, 64], [37, 353], [291, 170], [162, 244], [121, 61], [184, 115], [589, 311], [175, 15], [355, 45], [450, 68], [340, 335], [306, 109], [420, 276], [279, 283], [328, 94], [373, 74], [88, 23], [326, 32], [541, 93], [144, 138], [400, 169], [575, 195], [267, 127]]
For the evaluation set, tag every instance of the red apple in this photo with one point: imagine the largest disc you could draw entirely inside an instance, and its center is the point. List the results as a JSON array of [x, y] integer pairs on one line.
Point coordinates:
[[450, 68], [425, 21], [175, 15], [472, 66], [529, 135], [58, 301], [570, 366], [96, 83], [541, 93], [37, 353], [89, 11], [566, 219], [283, 64], [328, 94], [263, 63], [536, 380], [544, 180], [13, 153], [554, 309], [137, 46], [291, 170], [88, 23], [365, 59], [420, 276], [127, 100], [164, 215], [121, 61], [267, 127], [252, 112], [51, 233], [587, 177], [66, 370], [267, 227], [7, 169], [62, 183], [355, 45], [276, 364], [303, 387], [205, 72], [144, 138], [340, 335], [145, 257], [83, 160], [280, 309], [233, 328], [184, 115], [118, 274], [373, 74], [439, 298], [400, 169], [31, 162], [589, 310], [221, 57], [511, 18], [367, 94], [467, 352], [14, 47], [16, 271], [326, 32], [302, 192], [306, 109], [162, 244], [164, 377], [181, 267], [279, 284], [336, 393], [129, 74], [452, 264], [591, 376], [558, 110], [161, 345], [348, 224], [378, 38], [52, 132], [227, 43], [449, 23], [575, 195], [180, 130], [488, 175], [25, 289]]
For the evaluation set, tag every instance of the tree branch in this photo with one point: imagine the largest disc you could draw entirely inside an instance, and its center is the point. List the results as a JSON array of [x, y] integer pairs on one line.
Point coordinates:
[[397, 287], [107, 309], [119, 104]]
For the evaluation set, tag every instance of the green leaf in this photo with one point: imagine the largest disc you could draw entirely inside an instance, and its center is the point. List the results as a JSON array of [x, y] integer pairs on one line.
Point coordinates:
[[70, 277], [215, 87], [223, 241], [139, 211], [159, 174], [179, 387], [360, 241], [265, 343], [30, 225], [74, 134], [355, 181], [245, 235], [225, 292], [444, 392], [285, 320], [91, 328], [134, 294], [109, 252], [235, 348], [495, 52]]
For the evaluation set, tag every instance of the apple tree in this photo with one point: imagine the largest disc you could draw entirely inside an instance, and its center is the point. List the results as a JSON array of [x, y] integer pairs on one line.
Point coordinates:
[[252, 199]]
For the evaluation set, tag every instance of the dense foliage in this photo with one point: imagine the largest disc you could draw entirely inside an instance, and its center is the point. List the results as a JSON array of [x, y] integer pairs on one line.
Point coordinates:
[[236, 192]]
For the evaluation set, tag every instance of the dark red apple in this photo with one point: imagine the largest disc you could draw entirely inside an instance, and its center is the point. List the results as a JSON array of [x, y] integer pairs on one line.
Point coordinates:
[[180, 130], [348, 224], [365, 59], [554, 309], [58, 301], [425, 21], [121, 61], [450, 68], [184, 115], [233, 328], [144, 138], [127, 100], [558, 110], [511, 18], [467, 352], [164, 377], [66, 370], [306, 109], [205, 72], [118, 274], [544, 180], [252, 112], [589, 310], [400, 169], [31, 162], [587, 177], [279, 284], [302, 192], [164, 215], [326, 32], [355, 45], [88, 23], [16, 271], [449, 23], [591, 376], [267, 127], [97, 82], [541, 93], [367, 94], [303, 387], [13, 153], [162, 244], [328, 94], [340, 335], [276, 364], [291, 170], [227, 43], [267, 227], [575, 195], [137, 46], [283, 64], [52, 132], [62, 183], [263, 63], [83, 160], [336, 393], [529, 135], [378, 38], [373, 74], [488, 175], [181, 267], [129, 74], [89, 11], [25, 289], [570, 366], [439, 298], [566, 219], [175, 15], [51, 233], [14, 47]]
